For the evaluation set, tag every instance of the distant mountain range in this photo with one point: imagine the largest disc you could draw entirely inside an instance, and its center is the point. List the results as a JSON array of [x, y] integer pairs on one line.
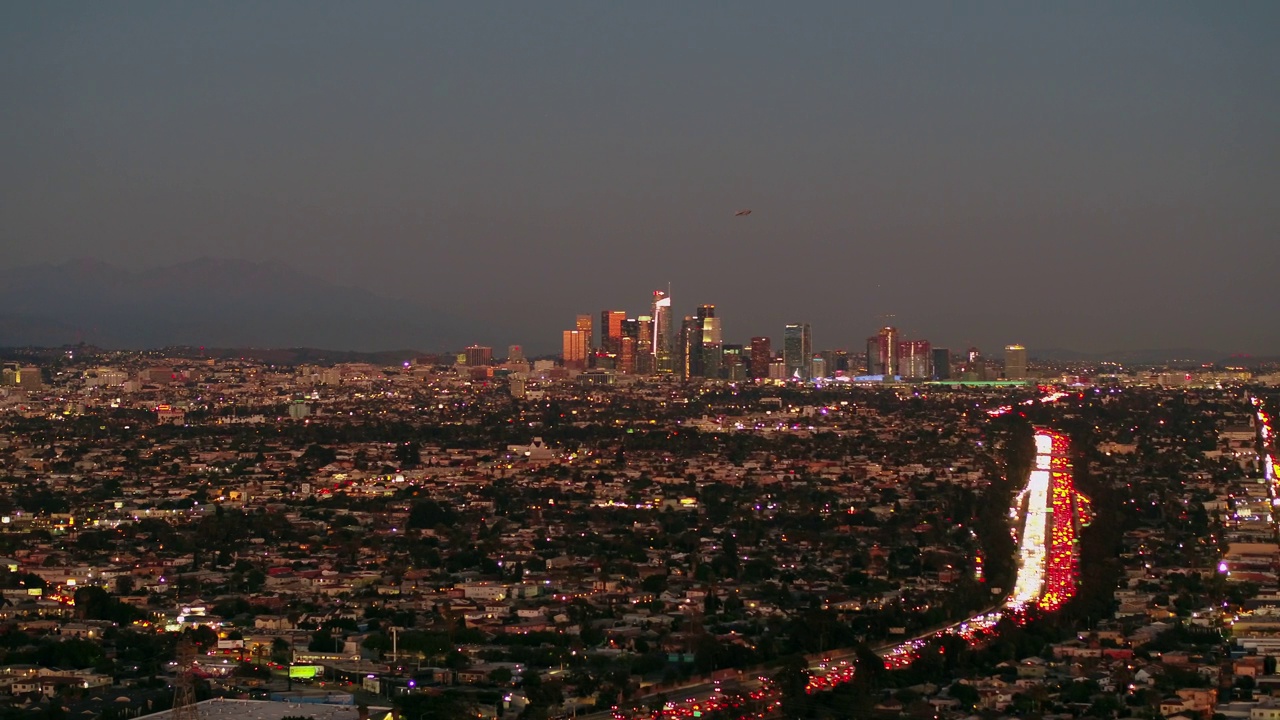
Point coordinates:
[[271, 312], [207, 302]]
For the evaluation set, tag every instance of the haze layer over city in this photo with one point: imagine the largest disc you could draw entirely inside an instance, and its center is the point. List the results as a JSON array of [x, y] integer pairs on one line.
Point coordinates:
[[1092, 178], [636, 361]]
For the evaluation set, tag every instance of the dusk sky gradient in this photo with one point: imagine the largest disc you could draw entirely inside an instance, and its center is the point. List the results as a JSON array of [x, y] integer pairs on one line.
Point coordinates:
[[1085, 175]]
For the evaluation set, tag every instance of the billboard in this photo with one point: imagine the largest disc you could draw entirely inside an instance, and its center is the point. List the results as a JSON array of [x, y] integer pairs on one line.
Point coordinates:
[[305, 672]]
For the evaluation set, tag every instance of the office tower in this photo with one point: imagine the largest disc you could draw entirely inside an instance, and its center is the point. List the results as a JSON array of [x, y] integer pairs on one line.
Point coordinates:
[[631, 328], [712, 360], [1015, 362], [627, 354], [575, 349], [818, 366], [888, 350], [584, 326], [662, 336], [974, 365], [797, 350], [914, 357], [837, 362], [704, 343], [611, 333], [778, 370], [761, 356], [478, 355], [687, 347], [875, 362], [515, 353], [941, 364], [733, 363], [644, 345]]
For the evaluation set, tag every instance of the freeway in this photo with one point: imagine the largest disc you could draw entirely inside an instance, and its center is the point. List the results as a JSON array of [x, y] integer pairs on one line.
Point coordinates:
[[1050, 510]]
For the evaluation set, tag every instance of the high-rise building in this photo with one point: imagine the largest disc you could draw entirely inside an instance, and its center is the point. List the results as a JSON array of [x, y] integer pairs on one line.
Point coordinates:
[[914, 358], [515, 353], [818, 366], [611, 331], [663, 341], [584, 326], [875, 362], [694, 341], [733, 363], [706, 344], [888, 346], [1015, 362], [478, 355], [627, 354], [941, 364], [761, 356], [681, 366], [575, 349], [837, 361], [644, 345], [797, 350]]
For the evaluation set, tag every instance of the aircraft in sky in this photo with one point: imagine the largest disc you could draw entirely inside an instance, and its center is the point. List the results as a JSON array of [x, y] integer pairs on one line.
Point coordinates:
[[742, 213]]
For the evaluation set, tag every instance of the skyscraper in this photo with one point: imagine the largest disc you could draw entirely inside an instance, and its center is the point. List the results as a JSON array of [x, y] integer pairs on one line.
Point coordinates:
[[706, 330], [1015, 362], [941, 364], [797, 349], [888, 347], [733, 363], [575, 349], [914, 358], [662, 337], [644, 345], [611, 331], [687, 340], [712, 348], [761, 355], [584, 326], [875, 361], [627, 354]]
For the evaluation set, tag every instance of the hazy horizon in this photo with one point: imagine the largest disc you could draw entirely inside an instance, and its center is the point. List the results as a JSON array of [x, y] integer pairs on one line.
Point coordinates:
[[1089, 176]]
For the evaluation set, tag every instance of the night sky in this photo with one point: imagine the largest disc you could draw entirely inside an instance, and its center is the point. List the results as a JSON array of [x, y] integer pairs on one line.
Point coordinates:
[[1093, 176]]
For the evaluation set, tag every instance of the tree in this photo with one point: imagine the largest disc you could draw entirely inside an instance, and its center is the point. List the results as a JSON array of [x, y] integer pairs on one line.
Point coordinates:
[[965, 694], [322, 640], [281, 652]]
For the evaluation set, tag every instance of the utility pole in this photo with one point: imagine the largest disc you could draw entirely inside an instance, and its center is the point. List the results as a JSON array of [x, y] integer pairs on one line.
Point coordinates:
[[184, 692]]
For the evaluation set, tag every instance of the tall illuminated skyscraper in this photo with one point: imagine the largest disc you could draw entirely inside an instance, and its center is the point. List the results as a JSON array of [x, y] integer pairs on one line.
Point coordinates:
[[687, 341], [761, 356], [584, 326], [663, 339], [889, 349], [705, 328], [797, 351], [611, 331], [574, 350], [914, 359], [627, 354], [712, 350], [1015, 362], [644, 345]]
